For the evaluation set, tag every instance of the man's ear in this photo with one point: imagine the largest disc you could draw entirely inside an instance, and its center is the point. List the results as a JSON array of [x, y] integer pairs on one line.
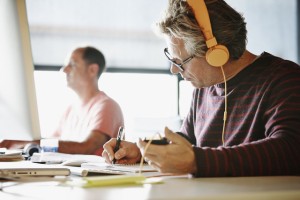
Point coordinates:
[[93, 69]]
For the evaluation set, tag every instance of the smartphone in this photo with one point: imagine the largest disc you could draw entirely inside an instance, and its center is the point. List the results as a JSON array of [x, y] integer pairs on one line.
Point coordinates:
[[161, 141]]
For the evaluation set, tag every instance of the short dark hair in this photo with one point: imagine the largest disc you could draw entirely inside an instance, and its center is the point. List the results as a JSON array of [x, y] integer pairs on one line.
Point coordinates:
[[92, 55]]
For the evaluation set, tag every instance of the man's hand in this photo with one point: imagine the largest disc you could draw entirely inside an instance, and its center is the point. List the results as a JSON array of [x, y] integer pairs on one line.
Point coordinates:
[[13, 144], [128, 153], [177, 157]]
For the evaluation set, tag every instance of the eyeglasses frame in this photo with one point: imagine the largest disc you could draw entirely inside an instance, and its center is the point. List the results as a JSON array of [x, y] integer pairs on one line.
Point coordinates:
[[179, 66]]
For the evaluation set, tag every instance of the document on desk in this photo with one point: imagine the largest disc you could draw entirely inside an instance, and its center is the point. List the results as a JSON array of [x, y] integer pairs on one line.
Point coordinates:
[[64, 159], [7, 157], [109, 180], [105, 168], [98, 181], [10, 155]]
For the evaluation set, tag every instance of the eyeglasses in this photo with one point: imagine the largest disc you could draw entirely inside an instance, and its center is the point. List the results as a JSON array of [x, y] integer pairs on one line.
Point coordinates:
[[179, 66]]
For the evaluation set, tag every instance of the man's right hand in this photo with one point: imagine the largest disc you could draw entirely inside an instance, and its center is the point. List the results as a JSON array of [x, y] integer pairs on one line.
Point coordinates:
[[13, 144], [128, 153]]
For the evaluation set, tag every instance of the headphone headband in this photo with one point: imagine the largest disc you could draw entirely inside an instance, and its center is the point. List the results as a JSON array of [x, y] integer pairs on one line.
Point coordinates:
[[217, 55]]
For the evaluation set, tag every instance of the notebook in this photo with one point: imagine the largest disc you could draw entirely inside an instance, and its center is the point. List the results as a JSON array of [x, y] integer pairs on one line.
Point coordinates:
[[102, 168], [12, 170], [64, 159], [109, 180], [7, 157], [10, 155]]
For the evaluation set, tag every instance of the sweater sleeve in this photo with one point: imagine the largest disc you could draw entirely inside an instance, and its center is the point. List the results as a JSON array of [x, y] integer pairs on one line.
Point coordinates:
[[272, 156]]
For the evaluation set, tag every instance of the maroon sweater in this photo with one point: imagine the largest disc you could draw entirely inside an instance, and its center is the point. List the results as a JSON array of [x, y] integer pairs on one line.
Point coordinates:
[[262, 135]]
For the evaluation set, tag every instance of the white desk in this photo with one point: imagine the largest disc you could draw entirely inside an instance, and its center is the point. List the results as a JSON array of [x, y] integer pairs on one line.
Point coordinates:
[[286, 187]]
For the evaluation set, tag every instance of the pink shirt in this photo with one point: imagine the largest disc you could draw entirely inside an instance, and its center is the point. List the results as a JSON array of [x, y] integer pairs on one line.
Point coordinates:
[[101, 113]]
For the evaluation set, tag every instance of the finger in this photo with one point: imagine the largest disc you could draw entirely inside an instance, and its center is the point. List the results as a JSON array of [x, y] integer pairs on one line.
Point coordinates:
[[175, 138], [121, 153], [147, 149], [127, 152], [146, 160], [154, 165], [151, 151], [142, 145], [106, 157], [149, 162], [108, 148]]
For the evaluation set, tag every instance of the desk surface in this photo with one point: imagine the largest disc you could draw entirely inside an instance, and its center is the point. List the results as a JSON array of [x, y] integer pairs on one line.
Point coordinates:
[[272, 188], [180, 187]]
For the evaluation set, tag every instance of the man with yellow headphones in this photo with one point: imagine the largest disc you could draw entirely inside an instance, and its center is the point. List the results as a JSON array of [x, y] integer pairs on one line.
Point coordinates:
[[244, 118]]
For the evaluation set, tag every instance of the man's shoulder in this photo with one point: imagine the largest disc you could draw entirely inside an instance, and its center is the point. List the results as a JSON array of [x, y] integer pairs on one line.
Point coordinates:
[[278, 61], [102, 99]]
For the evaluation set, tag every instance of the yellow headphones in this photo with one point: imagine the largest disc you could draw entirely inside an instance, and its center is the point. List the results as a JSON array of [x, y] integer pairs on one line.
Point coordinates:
[[217, 55]]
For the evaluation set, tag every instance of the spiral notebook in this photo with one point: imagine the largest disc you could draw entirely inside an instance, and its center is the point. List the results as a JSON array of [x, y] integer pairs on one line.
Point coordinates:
[[98, 168]]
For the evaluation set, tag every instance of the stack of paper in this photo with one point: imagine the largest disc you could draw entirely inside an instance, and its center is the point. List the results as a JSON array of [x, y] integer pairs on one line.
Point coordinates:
[[123, 169], [99, 181], [11, 155], [65, 159]]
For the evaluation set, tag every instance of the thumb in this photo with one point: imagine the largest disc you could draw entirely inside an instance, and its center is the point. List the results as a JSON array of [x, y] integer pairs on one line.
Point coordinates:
[[168, 133], [171, 136], [175, 138]]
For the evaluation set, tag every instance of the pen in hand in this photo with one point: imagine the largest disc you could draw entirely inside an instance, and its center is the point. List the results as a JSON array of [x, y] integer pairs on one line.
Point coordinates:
[[119, 138]]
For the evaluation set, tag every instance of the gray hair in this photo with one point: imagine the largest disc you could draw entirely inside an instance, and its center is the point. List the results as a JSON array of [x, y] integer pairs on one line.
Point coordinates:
[[228, 27]]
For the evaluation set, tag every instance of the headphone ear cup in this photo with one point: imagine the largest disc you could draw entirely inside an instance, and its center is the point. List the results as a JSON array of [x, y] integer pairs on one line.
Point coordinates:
[[31, 148], [217, 56]]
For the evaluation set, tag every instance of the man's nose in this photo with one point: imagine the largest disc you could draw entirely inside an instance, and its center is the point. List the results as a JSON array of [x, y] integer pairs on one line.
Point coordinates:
[[64, 68], [174, 69]]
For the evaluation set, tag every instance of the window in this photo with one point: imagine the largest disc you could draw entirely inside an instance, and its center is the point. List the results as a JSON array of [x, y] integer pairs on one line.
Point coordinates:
[[149, 101], [121, 29], [185, 97]]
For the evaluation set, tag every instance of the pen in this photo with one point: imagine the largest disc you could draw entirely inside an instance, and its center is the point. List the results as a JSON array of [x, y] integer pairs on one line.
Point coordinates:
[[119, 138]]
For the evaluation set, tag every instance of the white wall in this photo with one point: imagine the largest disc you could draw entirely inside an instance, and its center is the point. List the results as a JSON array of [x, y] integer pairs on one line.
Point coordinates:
[[271, 25], [122, 29]]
